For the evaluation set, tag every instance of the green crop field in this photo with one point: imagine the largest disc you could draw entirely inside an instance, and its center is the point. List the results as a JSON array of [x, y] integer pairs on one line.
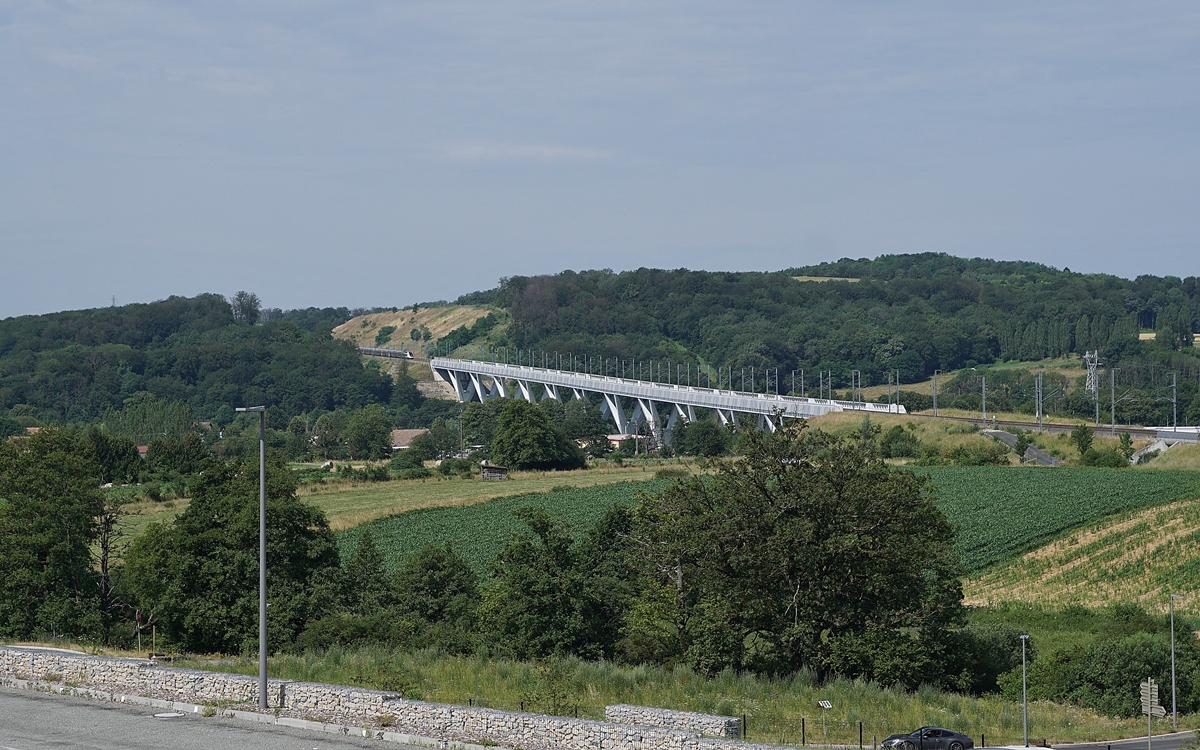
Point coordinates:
[[477, 532], [1001, 512], [1004, 511]]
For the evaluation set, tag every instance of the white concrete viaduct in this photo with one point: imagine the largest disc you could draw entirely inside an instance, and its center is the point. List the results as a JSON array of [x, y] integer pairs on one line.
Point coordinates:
[[630, 403]]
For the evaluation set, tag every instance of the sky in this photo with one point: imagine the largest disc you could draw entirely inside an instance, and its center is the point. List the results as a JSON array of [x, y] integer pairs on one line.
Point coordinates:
[[384, 153]]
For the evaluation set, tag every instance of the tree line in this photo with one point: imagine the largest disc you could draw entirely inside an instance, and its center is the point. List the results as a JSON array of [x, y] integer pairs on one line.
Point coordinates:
[[909, 313], [808, 552]]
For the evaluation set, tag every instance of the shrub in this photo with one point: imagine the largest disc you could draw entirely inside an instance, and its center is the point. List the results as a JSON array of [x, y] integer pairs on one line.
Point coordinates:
[[406, 459], [1107, 457], [418, 473], [899, 443], [454, 466]]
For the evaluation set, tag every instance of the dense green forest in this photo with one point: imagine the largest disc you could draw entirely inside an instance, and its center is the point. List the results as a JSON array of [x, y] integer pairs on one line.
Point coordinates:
[[911, 313], [906, 314], [77, 367]]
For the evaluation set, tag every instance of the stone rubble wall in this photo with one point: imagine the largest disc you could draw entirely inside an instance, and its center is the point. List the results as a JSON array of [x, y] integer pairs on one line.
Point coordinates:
[[687, 721], [140, 677]]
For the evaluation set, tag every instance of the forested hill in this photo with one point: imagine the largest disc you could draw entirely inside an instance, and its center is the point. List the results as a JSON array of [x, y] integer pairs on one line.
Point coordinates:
[[72, 367], [914, 313]]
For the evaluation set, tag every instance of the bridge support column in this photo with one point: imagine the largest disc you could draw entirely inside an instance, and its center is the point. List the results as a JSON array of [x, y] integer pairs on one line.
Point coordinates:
[[477, 386], [526, 391], [499, 389], [612, 408]]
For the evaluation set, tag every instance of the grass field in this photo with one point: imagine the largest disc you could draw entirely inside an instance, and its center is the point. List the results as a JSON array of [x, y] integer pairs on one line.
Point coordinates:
[[350, 505], [773, 707], [347, 504], [1137, 558]]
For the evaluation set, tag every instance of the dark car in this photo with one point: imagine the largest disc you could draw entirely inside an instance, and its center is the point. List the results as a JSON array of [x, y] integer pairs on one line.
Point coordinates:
[[929, 738]]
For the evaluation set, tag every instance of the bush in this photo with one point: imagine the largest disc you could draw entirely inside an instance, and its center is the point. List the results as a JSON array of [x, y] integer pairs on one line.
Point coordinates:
[[982, 453], [1107, 457], [406, 459], [1082, 437], [672, 473], [454, 466], [417, 473], [701, 438], [899, 443]]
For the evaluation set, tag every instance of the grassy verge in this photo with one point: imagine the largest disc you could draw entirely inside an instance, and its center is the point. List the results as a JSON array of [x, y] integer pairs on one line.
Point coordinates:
[[774, 707]]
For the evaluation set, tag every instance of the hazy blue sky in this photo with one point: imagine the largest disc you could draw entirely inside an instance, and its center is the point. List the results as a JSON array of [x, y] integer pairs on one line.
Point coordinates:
[[381, 153]]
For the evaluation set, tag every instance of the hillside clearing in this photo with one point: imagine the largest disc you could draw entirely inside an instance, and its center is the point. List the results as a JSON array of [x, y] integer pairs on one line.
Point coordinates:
[[438, 320]]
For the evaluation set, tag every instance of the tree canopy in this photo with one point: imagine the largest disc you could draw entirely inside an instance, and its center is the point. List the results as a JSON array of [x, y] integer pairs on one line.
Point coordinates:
[[198, 575], [524, 438], [810, 551]]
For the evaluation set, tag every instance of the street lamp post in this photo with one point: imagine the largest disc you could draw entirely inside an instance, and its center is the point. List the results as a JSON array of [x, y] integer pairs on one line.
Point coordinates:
[[262, 552], [1024, 693], [1174, 712]]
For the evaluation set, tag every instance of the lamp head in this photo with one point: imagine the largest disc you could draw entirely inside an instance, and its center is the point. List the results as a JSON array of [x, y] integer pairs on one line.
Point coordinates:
[[251, 408]]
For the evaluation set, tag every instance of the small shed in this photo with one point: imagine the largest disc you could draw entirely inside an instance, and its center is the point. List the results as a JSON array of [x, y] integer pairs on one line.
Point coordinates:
[[492, 472]]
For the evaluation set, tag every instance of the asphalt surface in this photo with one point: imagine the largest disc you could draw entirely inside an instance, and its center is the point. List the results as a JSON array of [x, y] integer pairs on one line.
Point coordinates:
[[1161, 742], [34, 721], [1032, 453]]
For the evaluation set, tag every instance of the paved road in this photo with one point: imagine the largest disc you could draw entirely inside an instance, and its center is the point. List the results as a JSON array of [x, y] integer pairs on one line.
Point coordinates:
[[1161, 742], [1032, 453], [35, 721]]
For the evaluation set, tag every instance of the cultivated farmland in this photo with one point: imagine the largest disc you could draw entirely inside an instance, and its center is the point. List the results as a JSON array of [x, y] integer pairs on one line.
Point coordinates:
[[477, 532], [1001, 512], [1131, 558]]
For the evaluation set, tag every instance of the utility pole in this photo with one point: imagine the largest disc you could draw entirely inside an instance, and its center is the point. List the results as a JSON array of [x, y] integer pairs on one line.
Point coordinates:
[[1037, 390], [1093, 382], [1174, 415], [1112, 398], [983, 380], [935, 377]]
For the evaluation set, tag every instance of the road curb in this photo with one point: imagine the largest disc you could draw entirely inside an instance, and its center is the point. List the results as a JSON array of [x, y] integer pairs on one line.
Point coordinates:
[[252, 716]]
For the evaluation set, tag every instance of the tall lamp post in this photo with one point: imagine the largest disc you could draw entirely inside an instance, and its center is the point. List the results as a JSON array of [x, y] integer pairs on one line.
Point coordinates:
[[1024, 693], [262, 552], [1174, 713]]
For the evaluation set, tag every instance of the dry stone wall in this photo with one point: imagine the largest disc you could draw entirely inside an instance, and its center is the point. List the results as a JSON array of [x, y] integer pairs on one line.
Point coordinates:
[[687, 721], [361, 707]]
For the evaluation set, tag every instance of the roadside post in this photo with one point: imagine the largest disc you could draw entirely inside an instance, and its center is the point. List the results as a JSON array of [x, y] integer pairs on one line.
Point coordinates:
[[1151, 708], [825, 705]]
